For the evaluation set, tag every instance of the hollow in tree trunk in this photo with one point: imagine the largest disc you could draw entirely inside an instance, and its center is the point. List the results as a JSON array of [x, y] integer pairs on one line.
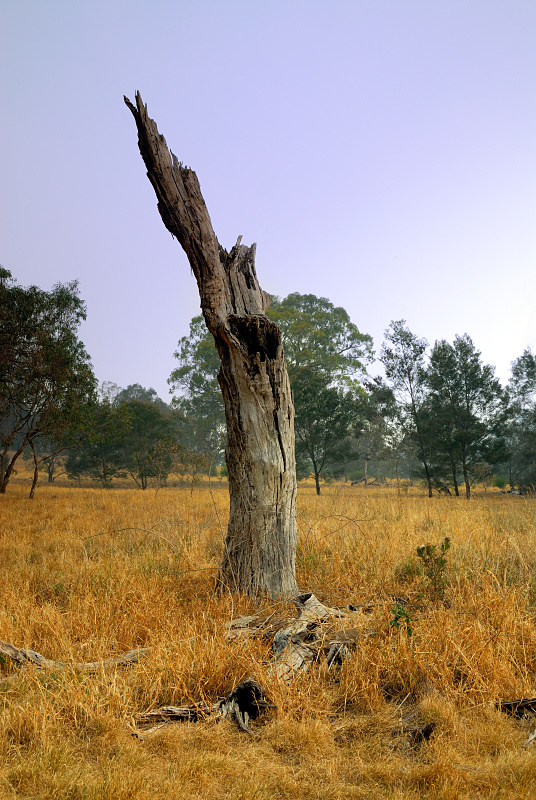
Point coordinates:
[[260, 546]]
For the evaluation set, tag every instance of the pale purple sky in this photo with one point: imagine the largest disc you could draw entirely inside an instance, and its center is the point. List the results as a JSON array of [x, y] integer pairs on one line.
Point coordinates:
[[381, 153]]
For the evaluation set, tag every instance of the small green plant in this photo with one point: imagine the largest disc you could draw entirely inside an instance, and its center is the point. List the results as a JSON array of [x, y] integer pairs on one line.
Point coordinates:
[[401, 617], [434, 563]]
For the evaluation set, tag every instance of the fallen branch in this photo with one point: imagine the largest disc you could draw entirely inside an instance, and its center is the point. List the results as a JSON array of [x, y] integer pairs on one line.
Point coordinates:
[[521, 709], [296, 644], [318, 631], [518, 708], [23, 657], [245, 702]]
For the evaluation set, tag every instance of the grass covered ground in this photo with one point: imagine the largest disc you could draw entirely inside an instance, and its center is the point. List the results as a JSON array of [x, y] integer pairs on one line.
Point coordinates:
[[88, 573]]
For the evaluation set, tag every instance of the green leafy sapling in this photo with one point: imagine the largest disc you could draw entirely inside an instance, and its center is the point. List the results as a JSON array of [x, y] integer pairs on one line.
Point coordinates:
[[434, 563]]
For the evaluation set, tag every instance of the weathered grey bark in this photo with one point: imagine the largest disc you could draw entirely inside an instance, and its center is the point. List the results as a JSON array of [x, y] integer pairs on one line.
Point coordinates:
[[30, 658], [259, 554]]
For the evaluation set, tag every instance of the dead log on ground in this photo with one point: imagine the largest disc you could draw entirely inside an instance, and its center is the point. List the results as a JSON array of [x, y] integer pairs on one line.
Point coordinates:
[[27, 658], [245, 702], [319, 632], [518, 708]]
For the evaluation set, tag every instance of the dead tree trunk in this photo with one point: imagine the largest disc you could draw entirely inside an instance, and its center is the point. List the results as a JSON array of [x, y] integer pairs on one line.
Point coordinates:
[[259, 553]]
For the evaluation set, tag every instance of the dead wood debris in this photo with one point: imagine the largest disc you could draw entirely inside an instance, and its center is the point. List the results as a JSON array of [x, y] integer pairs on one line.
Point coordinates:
[[296, 644], [246, 702], [422, 734], [522, 709], [318, 632], [518, 708], [29, 658], [530, 741]]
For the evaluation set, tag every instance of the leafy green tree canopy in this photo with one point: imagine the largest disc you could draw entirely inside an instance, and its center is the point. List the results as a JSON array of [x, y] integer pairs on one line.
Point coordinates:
[[325, 416], [374, 427], [324, 351], [320, 337], [522, 383], [402, 355], [98, 455], [146, 432], [46, 378], [137, 392], [196, 379], [522, 427], [468, 408]]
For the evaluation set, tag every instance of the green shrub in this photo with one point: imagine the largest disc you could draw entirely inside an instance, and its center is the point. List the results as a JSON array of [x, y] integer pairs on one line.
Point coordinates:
[[434, 564]]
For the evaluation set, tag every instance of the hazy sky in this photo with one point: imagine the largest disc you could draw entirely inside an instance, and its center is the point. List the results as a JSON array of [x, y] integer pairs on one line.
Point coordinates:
[[382, 154]]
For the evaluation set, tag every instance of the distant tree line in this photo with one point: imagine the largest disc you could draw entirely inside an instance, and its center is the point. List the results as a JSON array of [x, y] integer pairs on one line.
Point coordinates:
[[135, 435], [438, 416], [52, 413]]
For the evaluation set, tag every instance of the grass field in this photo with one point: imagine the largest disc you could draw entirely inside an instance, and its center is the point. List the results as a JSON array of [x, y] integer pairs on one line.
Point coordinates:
[[87, 574]]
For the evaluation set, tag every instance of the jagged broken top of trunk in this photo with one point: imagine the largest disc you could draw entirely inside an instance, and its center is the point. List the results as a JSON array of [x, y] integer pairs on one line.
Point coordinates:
[[227, 281]]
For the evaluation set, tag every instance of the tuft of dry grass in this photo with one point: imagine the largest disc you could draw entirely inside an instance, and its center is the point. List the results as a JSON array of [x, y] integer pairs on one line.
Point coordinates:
[[90, 573]]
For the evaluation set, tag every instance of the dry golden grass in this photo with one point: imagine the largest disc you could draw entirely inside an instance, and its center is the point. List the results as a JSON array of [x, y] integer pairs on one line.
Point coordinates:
[[88, 573]]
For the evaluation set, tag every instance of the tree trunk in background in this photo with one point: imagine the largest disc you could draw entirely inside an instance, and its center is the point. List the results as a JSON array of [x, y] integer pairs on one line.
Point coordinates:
[[260, 546], [36, 470], [317, 482], [455, 479], [466, 479], [11, 465]]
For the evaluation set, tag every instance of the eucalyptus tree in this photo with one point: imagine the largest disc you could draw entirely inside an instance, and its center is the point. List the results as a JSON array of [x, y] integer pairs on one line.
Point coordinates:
[[375, 429], [320, 338], [403, 357], [468, 409], [199, 397], [326, 355], [46, 378], [98, 455], [522, 423], [147, 442], [136, 391], [325, 417], [443, 402]]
